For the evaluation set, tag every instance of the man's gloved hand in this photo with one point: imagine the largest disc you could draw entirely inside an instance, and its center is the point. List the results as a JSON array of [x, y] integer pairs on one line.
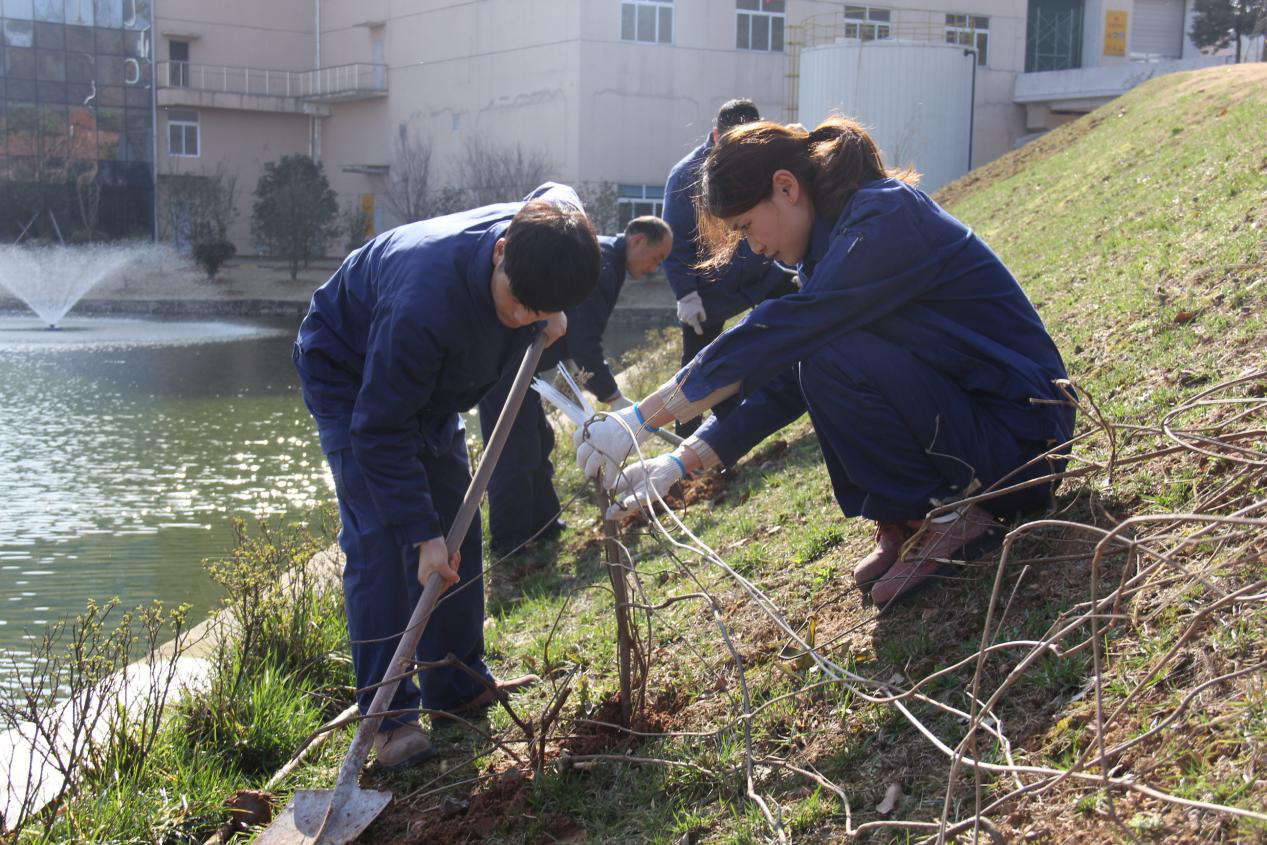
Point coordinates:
[[603, 443], [433, 556], [690, 311], [618, 401], [644, 483]]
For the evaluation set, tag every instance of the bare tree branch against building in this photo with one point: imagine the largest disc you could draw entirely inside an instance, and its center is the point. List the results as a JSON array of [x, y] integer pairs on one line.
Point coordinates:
[[602, 206], [408, 184], [490, 172]]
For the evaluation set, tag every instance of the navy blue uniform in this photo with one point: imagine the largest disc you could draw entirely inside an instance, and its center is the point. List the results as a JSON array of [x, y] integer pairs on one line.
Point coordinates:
[[521, 496], [402, 338], [914, 351], [747, 280]]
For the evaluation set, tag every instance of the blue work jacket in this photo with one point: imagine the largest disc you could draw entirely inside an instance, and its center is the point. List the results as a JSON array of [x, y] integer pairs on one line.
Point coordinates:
[[583, 342], [401, 338], [744, 282], [896, 265]]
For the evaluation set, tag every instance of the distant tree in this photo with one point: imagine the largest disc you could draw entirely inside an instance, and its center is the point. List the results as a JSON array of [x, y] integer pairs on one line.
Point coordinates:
[[196, 211], [408, 182], [87, 188], [491, 172], [356, 225], [295, 213], [1218, 23], [602, 206], [447, 200]]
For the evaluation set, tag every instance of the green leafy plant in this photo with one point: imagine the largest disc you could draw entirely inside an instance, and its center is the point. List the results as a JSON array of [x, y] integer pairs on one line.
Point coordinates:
[[295, 215]]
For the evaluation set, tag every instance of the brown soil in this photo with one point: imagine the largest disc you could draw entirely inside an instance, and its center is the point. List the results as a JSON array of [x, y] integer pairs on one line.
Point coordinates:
[[502, 798]]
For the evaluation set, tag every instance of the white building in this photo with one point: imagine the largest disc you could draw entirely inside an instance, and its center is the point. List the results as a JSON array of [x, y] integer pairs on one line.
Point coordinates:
[[610, 90]]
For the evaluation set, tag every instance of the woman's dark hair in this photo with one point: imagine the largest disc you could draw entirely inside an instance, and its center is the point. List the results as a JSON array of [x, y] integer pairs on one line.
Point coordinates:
[[551, 257], [831, 163]]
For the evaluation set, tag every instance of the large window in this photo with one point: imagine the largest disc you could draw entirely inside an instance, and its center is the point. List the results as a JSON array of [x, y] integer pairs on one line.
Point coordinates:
[[638, 200], [970, 31], [76, 106], [868, 23], [759, 24], [182, 133], [647, 20]]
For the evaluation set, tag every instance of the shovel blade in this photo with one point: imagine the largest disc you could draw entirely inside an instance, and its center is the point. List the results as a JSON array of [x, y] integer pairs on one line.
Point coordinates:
[[299, 822]]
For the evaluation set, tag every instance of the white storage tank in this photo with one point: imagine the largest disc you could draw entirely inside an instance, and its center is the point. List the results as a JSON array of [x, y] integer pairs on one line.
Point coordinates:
[[914, 97]]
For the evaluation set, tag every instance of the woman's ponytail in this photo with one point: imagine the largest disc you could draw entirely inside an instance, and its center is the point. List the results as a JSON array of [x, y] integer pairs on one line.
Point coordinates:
[[831, 163]]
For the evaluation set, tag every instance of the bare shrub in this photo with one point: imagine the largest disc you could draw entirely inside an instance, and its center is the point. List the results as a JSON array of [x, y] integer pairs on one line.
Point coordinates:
[[490, 173]]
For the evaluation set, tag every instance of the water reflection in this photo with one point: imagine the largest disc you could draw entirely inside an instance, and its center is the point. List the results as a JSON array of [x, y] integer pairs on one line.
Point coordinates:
[[121, 464], [127, 446]]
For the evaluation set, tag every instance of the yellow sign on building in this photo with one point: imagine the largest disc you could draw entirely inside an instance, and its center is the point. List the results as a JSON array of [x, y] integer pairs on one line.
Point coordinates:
[[367, 209], [1115, 33]]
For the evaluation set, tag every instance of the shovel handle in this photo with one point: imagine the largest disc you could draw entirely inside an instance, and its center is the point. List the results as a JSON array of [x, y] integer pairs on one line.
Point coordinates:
[[397, 668]]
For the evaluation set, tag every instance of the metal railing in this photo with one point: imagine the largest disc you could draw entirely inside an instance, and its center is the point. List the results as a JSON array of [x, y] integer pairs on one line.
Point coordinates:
[[339, 82]]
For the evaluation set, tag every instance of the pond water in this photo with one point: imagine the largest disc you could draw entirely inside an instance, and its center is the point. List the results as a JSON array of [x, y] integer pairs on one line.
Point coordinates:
[[127, 447]]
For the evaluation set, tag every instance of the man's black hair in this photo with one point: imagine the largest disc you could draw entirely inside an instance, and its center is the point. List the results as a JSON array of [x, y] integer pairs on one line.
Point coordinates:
[[736, 112], [652, 228], [551, 257]]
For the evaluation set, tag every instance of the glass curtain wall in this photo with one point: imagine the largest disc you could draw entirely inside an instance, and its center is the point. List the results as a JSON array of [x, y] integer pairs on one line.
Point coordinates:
[[76, 119]]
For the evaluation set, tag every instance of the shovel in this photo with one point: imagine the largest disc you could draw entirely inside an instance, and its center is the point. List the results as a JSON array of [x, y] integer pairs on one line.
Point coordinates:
[[337, 816]]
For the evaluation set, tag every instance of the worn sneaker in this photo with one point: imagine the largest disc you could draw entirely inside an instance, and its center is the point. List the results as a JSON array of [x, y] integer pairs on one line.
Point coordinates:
[[402, 747], [889, 537], [957, 537]]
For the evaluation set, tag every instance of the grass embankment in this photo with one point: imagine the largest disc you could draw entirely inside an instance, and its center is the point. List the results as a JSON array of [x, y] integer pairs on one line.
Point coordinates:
[[1139, 233], [140, 768]]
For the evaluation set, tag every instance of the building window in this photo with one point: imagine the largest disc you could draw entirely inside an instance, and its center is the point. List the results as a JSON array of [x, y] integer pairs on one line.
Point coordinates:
[[971, 31], [647, 20], [178, 54], [868, 23], [638, 200], [760, 24], [182, 133]]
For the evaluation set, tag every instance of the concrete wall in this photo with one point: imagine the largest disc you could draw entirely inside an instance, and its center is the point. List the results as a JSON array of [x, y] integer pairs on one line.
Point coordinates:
[[275, 34], [244, 142], [552, 76]]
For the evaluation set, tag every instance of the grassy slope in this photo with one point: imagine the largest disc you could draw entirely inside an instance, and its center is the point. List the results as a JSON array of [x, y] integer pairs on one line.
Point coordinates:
[[1139, 232]]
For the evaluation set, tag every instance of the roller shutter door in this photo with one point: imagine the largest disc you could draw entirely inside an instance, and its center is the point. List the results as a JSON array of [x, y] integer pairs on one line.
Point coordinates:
[[1157, 31]]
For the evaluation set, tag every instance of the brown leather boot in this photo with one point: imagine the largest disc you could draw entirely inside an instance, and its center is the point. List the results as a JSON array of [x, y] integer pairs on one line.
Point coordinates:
[[955, 538], [402, 747], [889, 537]]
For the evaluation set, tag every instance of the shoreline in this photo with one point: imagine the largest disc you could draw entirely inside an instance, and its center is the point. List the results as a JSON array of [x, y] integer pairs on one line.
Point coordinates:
[[653, 316]]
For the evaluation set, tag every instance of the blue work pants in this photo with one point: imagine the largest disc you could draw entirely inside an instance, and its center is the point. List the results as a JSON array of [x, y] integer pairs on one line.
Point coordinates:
[[380, 589], [521, 496], [898, 436]]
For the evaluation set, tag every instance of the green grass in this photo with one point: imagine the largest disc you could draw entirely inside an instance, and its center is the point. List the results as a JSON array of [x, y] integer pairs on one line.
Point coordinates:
[[1114, 233], [273, 681]]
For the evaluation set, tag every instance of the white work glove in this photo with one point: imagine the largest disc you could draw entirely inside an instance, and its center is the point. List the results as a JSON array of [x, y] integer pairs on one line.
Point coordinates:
[[643, 483], [690, 311], [618, 401], [603, 443]]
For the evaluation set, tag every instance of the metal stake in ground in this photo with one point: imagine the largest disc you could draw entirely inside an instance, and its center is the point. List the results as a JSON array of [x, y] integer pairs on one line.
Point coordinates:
[[335, 817]]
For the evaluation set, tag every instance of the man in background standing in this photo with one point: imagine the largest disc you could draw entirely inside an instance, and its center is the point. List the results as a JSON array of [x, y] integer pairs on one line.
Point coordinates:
[[522, 503], [705, 301]]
